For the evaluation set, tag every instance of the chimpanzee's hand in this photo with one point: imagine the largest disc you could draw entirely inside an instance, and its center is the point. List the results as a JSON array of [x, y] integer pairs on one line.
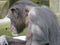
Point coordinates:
[[3, 40]]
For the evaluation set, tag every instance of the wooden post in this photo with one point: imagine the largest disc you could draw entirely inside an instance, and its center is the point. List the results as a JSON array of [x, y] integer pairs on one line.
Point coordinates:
[[54, 5], [3, 8]]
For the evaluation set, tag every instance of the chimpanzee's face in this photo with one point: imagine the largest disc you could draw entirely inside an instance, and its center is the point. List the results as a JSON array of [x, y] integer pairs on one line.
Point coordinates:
[[18, 20]]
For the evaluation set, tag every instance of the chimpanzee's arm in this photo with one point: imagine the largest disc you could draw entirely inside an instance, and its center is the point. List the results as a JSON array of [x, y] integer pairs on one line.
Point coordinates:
[[12, 41], [6, 40]]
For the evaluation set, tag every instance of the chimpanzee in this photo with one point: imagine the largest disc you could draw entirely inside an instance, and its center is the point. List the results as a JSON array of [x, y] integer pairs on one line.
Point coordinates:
[[43, 28], [18, 14]]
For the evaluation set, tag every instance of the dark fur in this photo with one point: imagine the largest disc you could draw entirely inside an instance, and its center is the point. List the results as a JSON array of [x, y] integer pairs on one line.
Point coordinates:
[[44, 27]]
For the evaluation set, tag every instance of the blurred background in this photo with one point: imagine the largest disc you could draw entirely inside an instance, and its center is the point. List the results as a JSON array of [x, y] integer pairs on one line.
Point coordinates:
[[6, 4]]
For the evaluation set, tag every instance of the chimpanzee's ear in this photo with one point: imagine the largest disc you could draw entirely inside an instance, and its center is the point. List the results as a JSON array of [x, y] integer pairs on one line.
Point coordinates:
[[26, 11], [14, 12]]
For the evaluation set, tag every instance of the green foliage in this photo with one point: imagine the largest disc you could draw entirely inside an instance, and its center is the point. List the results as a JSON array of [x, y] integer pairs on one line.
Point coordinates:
[[5, 27], [41, 2], [37, 2], [12, 2], [23, 33]]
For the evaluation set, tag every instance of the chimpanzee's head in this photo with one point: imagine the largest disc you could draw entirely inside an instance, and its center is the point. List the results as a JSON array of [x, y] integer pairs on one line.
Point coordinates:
[[18, 14], [18, 17]]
